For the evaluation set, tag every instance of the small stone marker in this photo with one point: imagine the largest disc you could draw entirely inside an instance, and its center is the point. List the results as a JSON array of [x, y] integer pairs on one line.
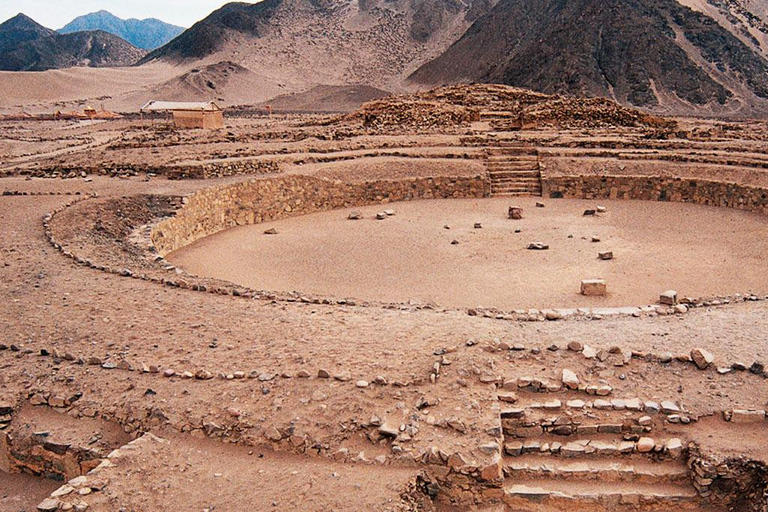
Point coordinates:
[[355, 215], [538, 246], [455, 242], [518, 230], [594, 288], [446, 227], [478, 225], [515, 213], [271, 231], [381, 216], [539, 204], [669, 298], [589, 213], [389, 213], [595, 239], [605, 255], [602, 209]]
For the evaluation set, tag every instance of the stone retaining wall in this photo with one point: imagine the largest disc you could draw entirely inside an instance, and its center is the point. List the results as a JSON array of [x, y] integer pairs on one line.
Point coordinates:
[[215, 209], [707, 192]]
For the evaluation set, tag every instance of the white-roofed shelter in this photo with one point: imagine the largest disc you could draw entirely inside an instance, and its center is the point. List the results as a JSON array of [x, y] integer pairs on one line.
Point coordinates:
[[190, 114]]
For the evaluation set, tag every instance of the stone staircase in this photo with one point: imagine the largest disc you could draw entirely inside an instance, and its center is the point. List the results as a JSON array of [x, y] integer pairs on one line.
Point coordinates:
[[570, 449], [513, 171]]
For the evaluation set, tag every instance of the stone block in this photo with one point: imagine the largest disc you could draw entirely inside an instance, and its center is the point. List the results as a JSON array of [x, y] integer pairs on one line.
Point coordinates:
[[515, 213], [747, 416], [605, 255], [594, 288], [669, 298]]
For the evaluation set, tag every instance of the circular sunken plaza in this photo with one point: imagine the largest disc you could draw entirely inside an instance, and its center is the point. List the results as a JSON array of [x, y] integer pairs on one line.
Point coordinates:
[[431, 251]]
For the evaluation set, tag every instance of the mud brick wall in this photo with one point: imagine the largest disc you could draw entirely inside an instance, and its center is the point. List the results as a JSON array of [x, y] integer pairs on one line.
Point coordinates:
[[212, 210], [714, 193]]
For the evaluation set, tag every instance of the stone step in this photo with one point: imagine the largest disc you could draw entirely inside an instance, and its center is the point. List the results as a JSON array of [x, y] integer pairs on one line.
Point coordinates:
[[496, 114], [498, 180], [536, 466], [512, 157], [512, 166], [598, 445], [545, 495], [516, 194], [515, 188], [522, 171]]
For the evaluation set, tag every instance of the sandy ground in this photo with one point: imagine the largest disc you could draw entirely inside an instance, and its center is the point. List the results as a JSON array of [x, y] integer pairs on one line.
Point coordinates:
[[696, 250], [207, 475], [22, 493]]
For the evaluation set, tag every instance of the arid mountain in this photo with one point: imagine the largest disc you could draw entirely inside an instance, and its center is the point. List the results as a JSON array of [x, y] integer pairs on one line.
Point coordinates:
[[19, 29], [28, 46], [300, 43], [657, 54], [147, 34]]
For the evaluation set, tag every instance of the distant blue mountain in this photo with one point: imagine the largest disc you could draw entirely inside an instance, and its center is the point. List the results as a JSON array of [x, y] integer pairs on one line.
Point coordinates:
[[147, 34]]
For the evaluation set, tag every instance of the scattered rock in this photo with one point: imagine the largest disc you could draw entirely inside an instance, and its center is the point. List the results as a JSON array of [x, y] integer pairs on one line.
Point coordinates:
[[515, 213], [389, 430], [575, 346], [674, 447], [381, 216], [270, 231], [49, 505], [589, 213], [343, 377], [645, 444], [273, 434], [702, 358], [478, 225], [539, 204], [323, 374], [552, 315], [605, 255], [538, 246], [355, 215], [570, 379]]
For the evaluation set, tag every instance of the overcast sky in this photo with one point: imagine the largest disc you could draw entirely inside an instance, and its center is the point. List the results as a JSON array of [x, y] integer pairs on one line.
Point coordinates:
[[57, 13]]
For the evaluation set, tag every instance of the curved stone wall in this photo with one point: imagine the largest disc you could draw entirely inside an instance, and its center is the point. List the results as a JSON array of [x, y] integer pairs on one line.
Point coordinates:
[[252, 202], [649, 188]]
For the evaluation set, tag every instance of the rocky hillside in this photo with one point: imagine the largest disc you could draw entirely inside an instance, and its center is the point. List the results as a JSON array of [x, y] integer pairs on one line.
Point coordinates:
[[28, 46], [147, 34], [20, 29], [310, 42], [656, 54]]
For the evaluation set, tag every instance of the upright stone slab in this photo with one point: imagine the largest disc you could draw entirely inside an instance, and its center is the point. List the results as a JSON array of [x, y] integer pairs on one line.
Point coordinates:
[[669, 298], [594, 288], [515, 213]]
